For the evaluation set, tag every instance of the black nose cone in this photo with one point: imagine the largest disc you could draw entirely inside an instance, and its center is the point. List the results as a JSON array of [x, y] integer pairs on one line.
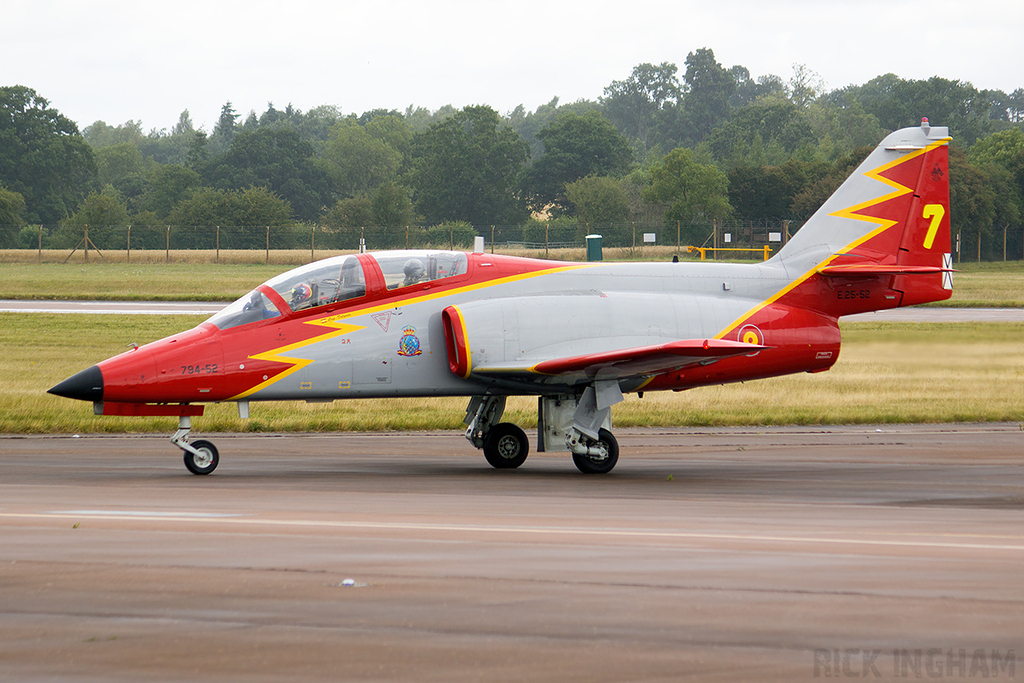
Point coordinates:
[[85, 386]]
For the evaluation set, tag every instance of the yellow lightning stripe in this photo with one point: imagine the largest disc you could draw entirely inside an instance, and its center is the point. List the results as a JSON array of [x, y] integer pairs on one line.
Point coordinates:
[[278, 355], [849, 212]]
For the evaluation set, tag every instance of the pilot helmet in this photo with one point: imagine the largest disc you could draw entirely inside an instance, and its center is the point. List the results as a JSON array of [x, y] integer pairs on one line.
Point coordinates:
[[301, 292], [413, 269]]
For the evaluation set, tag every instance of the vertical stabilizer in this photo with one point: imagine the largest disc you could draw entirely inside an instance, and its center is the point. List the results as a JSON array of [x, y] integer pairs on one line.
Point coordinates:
[[890, 220]]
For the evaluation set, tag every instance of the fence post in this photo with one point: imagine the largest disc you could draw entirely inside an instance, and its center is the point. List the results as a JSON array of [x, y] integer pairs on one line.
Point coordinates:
[[546, 226], [167, 246], [86, 240], [40, 242], [407, 237], [492, 239], [312, 237], [128, 245], [677, 237], [216, 258], [268, 244]]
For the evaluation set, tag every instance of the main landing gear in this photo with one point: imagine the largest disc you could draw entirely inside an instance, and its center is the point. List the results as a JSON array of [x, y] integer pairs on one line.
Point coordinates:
[[201, 456], [577, 423]]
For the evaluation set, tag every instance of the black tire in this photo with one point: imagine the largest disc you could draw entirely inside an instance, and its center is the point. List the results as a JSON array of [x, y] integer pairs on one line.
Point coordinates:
[[588, 464], [207, 459], [506, 446]]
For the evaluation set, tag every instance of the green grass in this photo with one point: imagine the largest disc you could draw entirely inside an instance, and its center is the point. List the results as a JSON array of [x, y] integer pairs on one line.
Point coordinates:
[[193, 276], [887, 372]]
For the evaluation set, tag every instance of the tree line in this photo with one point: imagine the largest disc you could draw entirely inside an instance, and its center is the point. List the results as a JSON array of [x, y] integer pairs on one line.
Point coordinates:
[[662, 147]]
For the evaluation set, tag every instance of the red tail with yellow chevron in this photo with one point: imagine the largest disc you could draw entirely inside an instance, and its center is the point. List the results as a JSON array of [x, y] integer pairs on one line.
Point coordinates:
[[888, 223]]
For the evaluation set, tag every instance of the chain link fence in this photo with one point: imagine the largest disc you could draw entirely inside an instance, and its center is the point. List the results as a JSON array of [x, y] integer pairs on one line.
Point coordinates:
[[718, 239]]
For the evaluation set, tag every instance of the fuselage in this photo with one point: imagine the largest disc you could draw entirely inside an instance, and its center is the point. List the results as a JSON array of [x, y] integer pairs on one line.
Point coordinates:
[[388, 338]]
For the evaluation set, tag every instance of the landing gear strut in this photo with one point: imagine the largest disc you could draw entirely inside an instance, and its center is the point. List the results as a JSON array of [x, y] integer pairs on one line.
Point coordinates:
[[578, 423], [505, 445], [201, 456]]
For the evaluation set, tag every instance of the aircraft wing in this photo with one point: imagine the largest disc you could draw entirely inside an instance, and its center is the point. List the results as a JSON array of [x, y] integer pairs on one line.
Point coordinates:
[[624, 363]]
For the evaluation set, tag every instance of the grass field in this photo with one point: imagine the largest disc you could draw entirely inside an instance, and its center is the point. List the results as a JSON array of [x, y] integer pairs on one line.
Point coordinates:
[[886, 373], [192, 276]]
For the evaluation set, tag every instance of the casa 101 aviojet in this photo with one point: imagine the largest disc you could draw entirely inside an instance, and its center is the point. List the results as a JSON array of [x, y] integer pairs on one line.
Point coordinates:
[[578, 336]]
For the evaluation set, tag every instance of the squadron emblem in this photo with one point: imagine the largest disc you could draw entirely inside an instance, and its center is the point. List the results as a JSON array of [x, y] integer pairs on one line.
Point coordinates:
[[409, 344]]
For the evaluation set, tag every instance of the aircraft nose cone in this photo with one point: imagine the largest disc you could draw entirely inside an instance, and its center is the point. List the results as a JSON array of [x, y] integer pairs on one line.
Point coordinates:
[[87, 385]]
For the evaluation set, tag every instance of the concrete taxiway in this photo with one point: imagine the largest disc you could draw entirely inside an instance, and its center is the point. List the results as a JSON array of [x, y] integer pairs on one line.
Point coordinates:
[[727, 554]]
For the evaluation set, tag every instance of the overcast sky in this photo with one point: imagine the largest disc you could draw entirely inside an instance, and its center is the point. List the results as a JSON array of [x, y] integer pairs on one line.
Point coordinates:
[[115, 61]]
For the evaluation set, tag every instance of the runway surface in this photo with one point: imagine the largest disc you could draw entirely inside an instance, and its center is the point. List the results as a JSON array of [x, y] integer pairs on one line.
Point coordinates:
[[207, 308], [780, 554]]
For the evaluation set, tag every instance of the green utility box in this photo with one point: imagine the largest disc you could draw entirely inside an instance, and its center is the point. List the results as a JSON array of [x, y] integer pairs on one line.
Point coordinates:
[[594, 248]]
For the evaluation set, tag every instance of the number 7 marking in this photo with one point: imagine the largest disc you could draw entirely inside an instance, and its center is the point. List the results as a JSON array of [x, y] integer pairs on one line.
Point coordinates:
[[934, 212]]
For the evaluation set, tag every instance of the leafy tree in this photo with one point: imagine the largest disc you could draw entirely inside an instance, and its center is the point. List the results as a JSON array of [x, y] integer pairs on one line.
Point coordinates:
[[841, 126], [529, 124], [767, 192], [354, 212], [168, 185], [12, 208], [100, 135], [708, 89], [357, 161], [1006, 149], [748, 90], [691, 189], [897, 103], [812, 196], [280, 160], [243, 216], [575, 147], [225, 128], [972, 201], [467, 168], [197, 153], [775, 126], [804, 86], [453, 234], [122, 167], [1015, 105], [106, 215], [391, 206], [43, 157], [562, 230], [632, 105], [598, 199]]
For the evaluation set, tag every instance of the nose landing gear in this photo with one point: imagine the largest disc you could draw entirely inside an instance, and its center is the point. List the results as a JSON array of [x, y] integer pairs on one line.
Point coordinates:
[[201, 456]]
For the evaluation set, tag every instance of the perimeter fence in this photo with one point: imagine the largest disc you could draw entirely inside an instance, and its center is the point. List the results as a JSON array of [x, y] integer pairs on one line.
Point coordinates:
[[558, 234]]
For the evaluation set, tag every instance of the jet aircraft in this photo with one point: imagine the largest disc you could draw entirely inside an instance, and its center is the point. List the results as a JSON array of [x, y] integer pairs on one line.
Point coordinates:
[[579, 336]]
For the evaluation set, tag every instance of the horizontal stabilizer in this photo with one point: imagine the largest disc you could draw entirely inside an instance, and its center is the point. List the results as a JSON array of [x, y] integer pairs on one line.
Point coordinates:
[[872, 269], [631, 362]]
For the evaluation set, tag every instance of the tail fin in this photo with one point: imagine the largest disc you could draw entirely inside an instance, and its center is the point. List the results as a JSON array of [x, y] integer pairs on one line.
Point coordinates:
[[889, 219]]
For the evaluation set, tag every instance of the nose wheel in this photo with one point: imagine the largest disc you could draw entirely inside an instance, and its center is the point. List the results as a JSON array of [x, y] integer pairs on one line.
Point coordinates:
[[204, 459], [201, 456]]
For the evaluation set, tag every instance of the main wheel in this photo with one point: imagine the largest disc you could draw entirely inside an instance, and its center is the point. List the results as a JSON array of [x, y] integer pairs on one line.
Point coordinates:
[[506, 446], [205, 461], [592, 464]]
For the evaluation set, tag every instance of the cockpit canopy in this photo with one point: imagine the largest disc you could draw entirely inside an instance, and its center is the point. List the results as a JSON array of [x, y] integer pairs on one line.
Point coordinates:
[[337, 279]]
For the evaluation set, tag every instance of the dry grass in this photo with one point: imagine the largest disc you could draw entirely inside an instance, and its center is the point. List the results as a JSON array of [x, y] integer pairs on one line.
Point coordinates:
[[887, 372], [195, 277]]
